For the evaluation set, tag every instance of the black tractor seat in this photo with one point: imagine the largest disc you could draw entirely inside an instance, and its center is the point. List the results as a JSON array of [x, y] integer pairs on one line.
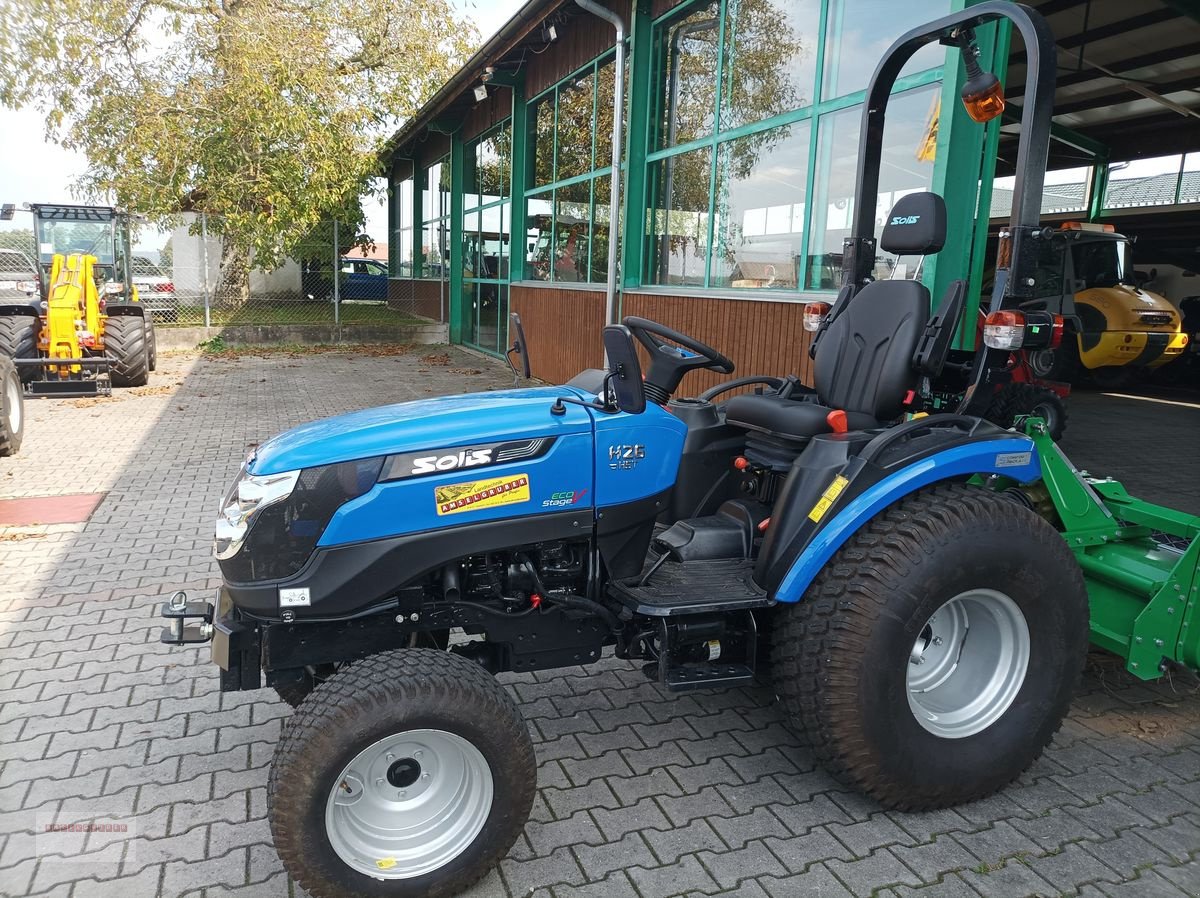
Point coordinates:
[[876, 345]]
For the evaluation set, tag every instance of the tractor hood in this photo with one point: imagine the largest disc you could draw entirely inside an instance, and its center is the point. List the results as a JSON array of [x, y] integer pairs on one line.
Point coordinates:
[[1126, 307], [441, 423]]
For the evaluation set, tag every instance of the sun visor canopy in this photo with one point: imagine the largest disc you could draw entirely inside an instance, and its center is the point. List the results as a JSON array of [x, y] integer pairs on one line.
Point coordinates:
[[916, 225]]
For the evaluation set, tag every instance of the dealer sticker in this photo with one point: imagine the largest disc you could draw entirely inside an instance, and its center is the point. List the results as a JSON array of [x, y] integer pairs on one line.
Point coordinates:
[[476, 494], [1013, 459], [828, 498], [294, 598]]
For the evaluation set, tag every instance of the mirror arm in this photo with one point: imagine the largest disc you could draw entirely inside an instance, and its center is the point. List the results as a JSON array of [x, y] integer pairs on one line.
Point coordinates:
[[559, 409]]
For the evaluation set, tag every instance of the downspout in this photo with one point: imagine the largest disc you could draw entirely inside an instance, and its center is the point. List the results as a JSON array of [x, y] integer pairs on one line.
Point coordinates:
[[614, 202]]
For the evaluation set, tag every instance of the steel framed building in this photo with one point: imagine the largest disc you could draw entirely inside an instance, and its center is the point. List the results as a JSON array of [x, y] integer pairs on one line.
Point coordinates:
[[741, 133]]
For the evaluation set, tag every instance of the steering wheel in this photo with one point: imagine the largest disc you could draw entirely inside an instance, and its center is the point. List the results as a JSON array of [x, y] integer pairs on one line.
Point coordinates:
[[668, 364]]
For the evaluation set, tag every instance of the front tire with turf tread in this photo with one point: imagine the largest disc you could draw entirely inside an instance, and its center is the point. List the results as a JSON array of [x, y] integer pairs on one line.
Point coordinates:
[[12, 409], [393, 692], [841, 653], [125, 346], [18, 340]]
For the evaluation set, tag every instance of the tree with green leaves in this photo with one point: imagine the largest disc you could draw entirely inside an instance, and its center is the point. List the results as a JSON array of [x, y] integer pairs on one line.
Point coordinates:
[[264, 114]]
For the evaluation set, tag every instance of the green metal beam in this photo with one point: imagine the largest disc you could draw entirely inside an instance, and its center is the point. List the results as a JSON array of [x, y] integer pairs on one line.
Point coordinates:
[[458, 308], [637, 143], [519, 166]]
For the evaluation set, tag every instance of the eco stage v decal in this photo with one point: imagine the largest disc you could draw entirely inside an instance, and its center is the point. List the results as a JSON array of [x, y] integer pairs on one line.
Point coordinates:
[[478, 494], [564, 498], [481, 455]]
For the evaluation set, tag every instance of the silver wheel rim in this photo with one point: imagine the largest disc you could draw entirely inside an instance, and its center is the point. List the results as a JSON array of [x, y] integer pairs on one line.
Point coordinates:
[[968, 663], [409, 804], [12, 387]]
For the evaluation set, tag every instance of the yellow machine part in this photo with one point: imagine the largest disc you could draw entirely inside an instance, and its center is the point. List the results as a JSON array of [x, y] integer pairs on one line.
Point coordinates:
[[1140, 328], [73, 319]]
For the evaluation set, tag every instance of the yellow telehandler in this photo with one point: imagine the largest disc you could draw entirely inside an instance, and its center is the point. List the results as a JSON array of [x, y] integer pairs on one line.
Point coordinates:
[[81, 331]]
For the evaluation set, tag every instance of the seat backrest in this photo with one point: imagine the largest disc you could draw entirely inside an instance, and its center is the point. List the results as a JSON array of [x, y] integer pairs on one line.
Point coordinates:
[[865, 363], [865, 360]]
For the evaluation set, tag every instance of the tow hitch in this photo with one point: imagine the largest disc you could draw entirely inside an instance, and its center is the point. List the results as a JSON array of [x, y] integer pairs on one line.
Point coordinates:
[[178, 610]]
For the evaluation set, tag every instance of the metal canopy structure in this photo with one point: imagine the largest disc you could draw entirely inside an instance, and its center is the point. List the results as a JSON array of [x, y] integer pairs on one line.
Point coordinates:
[[1128, 78]]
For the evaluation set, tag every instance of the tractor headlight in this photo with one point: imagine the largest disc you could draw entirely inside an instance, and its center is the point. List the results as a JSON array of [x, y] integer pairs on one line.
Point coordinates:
[[27, 286], [249, 495], [270, 524]]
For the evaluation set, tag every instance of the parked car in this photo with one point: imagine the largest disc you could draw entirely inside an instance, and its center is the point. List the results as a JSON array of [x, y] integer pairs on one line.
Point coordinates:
[[18, 278], [156, 289], [363, 279]]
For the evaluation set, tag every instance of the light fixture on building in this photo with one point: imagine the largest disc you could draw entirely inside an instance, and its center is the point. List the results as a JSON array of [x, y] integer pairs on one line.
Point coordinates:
[[480, 93], [551, 33]]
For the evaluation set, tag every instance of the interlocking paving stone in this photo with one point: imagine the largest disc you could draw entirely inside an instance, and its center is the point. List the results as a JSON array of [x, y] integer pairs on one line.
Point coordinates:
[[642, 794]]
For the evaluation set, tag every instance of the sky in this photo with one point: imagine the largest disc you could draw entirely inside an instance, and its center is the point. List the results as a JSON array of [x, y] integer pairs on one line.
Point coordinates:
[[32, 170]]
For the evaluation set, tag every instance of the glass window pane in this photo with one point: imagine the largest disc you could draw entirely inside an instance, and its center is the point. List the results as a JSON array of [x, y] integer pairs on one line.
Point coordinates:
[[860, 31], [1142, 182], [1066, 190], [436, 201], [494, 158], [687, 60], [487, 337], [759, 233], [435, 250], [539, 213], [905, 167], [471, 176], [541, 142], [404, 238], [575, 98], [471, 247], [470, 307], [678, 225], [404, 203], [601, 222], [572, 232], [770, 58], [493, 238], [604, 112]]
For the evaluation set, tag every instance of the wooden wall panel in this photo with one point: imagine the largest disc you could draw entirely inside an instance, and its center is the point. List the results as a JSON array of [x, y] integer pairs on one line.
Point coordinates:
[[761, 337], [417, 297], [496, 108], [563, 329]]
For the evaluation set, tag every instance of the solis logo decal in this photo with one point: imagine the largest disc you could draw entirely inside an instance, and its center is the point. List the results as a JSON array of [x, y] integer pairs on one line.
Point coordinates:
[[477, 494], [564, 499], [905, 219], [468, 458]]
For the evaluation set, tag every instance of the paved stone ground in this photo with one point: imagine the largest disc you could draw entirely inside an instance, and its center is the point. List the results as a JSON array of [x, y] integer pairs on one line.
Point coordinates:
[[641, 793]]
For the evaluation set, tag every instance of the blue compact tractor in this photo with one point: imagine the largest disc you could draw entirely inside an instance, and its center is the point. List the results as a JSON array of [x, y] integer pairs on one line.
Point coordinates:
[[912, 579]]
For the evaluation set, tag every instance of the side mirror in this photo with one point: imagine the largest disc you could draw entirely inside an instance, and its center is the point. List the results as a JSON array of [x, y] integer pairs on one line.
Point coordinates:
[[519, 347], [624, 370]]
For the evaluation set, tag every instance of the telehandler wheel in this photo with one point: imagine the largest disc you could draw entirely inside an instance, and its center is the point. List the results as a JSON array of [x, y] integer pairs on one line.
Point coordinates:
[[125, 346], [935, 656], [408, 773], [1017, 400], [18, 340], [12, 409]]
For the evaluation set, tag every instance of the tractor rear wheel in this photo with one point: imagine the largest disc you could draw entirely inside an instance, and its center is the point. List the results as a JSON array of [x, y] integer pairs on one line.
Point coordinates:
[[12, 409], [1013, 401], [125, 346], [18, 340], [875, 664], [408, 773]]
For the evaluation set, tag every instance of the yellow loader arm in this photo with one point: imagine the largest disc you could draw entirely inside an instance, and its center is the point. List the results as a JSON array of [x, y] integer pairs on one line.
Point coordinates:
[[72, 310]]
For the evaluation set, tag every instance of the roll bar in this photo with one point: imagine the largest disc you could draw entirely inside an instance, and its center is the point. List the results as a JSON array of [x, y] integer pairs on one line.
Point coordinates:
[[1016, 257]]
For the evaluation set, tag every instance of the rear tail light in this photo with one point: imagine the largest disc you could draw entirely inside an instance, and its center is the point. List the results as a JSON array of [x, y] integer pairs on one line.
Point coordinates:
[[1004, 330], [814, 315], [1059, 328], [167, 287], [102, 303]]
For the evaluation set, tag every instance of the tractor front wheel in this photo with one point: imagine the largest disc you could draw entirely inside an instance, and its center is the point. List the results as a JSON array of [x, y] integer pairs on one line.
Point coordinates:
[[18, 340], [1014, 401], [12, 409], [408, 773], [935, 656], [128, 355]]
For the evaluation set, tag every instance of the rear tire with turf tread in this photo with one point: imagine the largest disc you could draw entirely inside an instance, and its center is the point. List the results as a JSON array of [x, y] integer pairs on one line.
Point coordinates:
[[18, 340], [842, 653], [12, 409], [395, 692], [125, 346]]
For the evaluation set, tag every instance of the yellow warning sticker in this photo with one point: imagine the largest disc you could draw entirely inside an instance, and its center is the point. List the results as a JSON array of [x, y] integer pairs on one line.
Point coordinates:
[[828, 498], [477, 494], [385, 863]]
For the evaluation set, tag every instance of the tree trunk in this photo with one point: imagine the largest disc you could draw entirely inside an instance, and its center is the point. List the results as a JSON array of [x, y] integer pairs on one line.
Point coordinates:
[[233, 289]]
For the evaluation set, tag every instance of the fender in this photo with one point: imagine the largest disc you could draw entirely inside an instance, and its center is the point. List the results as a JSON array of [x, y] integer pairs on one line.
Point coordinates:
[[983, 457]]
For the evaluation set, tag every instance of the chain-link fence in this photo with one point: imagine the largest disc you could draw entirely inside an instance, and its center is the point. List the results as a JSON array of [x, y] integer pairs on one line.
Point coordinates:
[[186, 274]]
